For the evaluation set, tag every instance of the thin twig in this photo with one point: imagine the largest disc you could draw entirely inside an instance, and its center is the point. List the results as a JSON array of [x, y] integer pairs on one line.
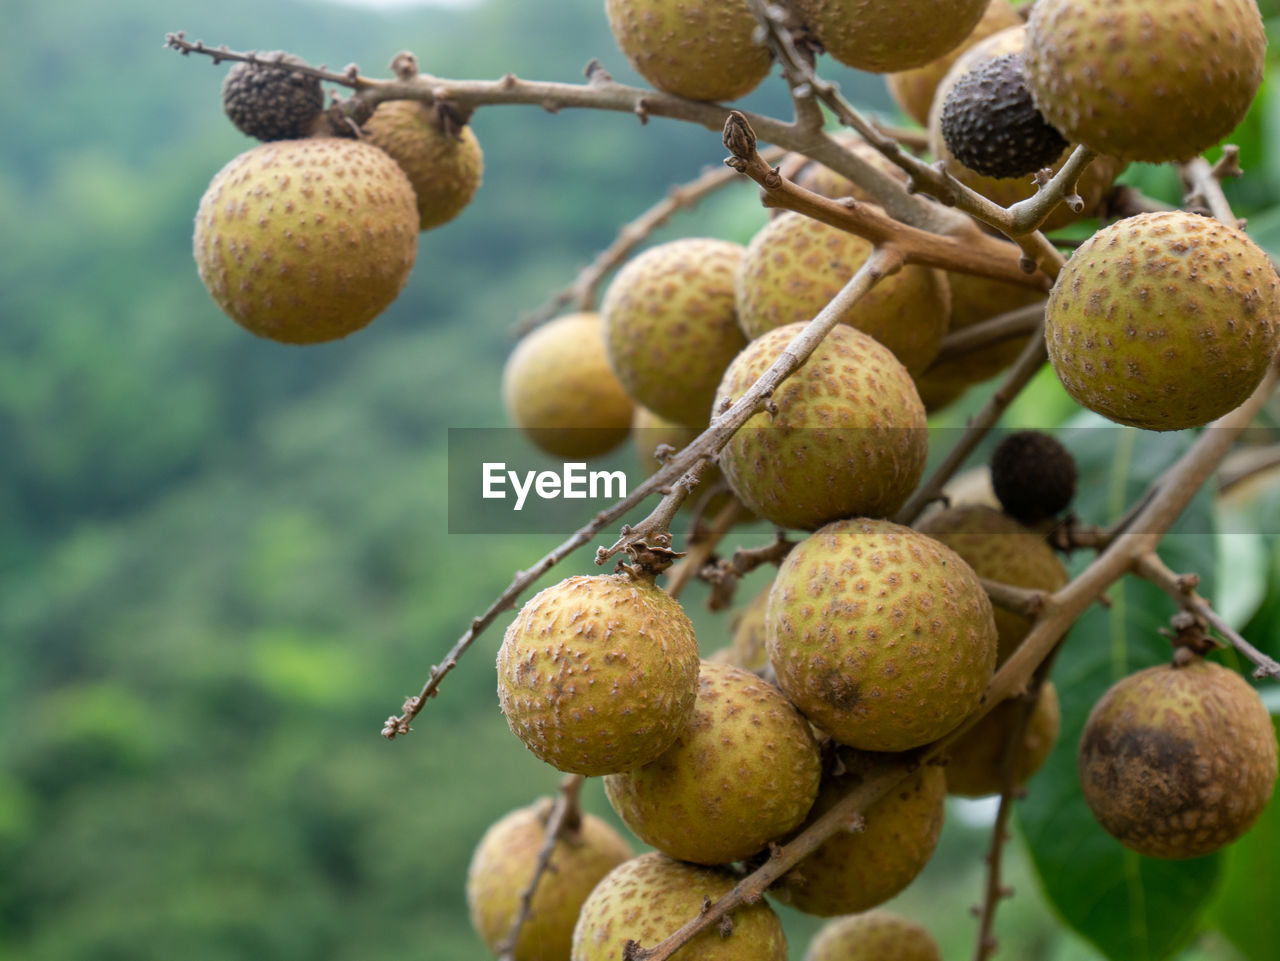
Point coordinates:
[[581, 294], [1182, 588], [1019, 600], [701, 546], [1246, 463], [1204, 184], [724, 575], [1027, 365], [1007, 326], [564, 818]]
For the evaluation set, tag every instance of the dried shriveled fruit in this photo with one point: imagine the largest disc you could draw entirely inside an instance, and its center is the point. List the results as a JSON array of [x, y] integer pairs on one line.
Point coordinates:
[[598, 674], [272, 101], [1176, 762], [503, 865], [1033, 475]]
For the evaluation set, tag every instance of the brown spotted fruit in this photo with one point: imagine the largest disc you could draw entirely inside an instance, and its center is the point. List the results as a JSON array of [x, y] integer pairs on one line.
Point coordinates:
[[700, 49], [873, 936], [304, 241], [598, 674], [444, 165], [885, 37], [1000, 549], [671, 328], [1176, 762], [848, 437], [558, 387], [1164, 321], [913, 90], [649, 897], [883, 637], [504, 862], [1149, 80], [875, 856], [975, 761], [795, 265], [743, 772], [746, 643]]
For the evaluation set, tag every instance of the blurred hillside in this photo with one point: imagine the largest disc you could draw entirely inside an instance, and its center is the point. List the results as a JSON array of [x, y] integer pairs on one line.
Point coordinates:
[[223, 561]]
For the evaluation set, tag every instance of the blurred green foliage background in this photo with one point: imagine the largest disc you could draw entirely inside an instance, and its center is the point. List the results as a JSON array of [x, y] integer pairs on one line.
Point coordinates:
[[223, 561]]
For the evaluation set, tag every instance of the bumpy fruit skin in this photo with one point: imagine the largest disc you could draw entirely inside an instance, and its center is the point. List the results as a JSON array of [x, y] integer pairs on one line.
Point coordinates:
[[794, 265], [671, 328], [700, 49], [1000, 549], [558, 387], [991, 125], [1094, 184], [504, 862], [743, 772], [1178, 762], [272, 103], [849, 436], [856, 870], [974, 300], [974, 761], [445, 170], [886, 37], [883, 637], [304, 241], [649, 897], [1150, 80], [598, 674], [1033, 475], [1164, 321], [913, 90], [873, 936]]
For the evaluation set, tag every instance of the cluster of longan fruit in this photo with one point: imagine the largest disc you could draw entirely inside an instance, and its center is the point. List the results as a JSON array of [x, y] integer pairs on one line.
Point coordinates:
[[874, 638]]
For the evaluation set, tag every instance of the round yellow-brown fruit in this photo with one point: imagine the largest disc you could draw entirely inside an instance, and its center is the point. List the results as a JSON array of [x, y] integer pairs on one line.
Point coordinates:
[[975, 761], [746, 644], [886, 37], [849, 436], [649, 897], [304, 241], [700, 49], [913, 90], [671, 328], [558, 387], [883, 637], [445, 169], [1164, 321], [1150, 80], [795, 265], [1000, 549], [743, 772], [1093, 184], [598, 674], [873, 936], [1176, 762], [869, 862], [503, 865]]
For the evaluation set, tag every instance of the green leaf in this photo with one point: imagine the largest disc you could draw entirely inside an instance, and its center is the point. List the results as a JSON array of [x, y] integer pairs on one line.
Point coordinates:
[[1130, 907], [1246, 910]]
